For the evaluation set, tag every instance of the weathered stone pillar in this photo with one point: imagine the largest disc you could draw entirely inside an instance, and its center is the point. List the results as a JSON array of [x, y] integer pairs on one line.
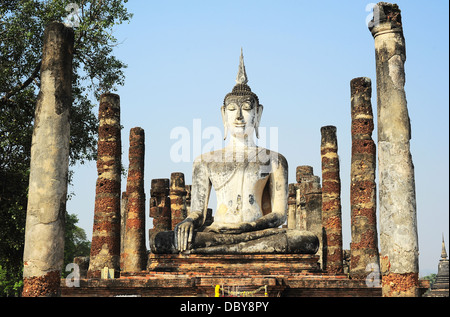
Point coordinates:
[[105, 247], [291, 221], [134, 249], [397, 199], [44, 232], [309, 194], [331, 202], [160, 206], [177, 194], [123, 220], [188, 198], [364, 245]]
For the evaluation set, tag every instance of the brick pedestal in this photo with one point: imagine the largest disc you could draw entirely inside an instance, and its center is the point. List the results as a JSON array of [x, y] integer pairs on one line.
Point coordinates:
[[234, 264]]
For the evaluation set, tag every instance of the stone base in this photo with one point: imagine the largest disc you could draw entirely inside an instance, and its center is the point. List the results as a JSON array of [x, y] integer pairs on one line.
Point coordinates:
[[170, 284], [272, 275], [234, 264]]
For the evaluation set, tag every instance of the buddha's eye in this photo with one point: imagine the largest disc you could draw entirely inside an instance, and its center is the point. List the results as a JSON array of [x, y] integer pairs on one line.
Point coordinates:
[[231, 107], [246, 106]]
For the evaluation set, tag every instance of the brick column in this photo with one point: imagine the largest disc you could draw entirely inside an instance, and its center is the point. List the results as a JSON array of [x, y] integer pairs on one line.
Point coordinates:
[[177, 194], [310, 203], [134, 249], [105, 247], [331, 202], [399, 249], [364, 245], [291, 220], [43, 255], [123, 220], [160, 206], [188, 198]]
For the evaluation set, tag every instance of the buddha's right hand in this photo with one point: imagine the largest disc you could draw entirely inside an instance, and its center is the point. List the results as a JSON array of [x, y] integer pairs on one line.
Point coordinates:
[[184, 232]]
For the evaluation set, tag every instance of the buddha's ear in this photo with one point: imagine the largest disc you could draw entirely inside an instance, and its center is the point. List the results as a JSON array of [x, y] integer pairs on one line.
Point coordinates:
[[259, 111], [225, 123]]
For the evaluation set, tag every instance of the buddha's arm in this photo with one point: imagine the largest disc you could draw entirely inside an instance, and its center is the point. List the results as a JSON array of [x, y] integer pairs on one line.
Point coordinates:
[[279, 196], [201, 188]]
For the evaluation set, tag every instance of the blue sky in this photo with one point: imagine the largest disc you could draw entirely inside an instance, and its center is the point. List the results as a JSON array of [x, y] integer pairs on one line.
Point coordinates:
[[300, 56]]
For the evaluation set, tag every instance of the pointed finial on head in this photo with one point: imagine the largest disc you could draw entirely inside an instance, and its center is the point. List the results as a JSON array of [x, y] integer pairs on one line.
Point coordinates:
[[242, 75]]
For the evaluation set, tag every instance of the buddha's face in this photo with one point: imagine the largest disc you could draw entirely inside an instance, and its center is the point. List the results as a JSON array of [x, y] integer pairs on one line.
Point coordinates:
[[241, 115]]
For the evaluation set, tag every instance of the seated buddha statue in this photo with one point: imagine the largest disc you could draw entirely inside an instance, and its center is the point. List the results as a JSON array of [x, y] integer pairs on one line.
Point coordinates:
[[251, 185]]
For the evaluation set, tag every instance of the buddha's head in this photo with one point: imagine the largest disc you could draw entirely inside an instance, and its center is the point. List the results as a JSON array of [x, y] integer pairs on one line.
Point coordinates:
[[241, 110]]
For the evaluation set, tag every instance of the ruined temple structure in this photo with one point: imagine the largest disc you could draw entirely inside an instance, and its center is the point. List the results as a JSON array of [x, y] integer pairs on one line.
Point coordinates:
[[440, 287], [364, 245], [160, 206], [177, 195], [399, 245], [134, 251], [303, 258], [331, 202], [105, 247], [43, 256], [169, 202], [305, 204]]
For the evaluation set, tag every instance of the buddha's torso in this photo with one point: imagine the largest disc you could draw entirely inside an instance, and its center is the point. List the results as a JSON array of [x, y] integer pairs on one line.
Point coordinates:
[[238, 180]]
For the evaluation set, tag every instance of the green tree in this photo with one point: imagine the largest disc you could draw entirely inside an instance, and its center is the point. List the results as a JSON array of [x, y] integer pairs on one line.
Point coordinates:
[[431, 278], [95, 71], [75, 242]]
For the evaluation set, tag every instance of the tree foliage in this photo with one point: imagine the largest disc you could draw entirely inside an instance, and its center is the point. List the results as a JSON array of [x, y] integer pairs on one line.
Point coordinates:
[[432, 278], [75, 241], [95, 71]]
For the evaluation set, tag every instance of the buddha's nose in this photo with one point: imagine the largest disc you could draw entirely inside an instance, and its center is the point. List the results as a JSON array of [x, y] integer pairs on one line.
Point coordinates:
[[239, 114]]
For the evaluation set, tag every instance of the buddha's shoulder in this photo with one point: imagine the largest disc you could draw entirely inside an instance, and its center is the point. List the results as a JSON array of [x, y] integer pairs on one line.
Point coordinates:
[[258, 154], [213, 156], [273, 155]]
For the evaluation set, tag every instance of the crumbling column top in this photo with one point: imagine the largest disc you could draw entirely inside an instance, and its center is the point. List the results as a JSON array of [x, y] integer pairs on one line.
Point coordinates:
[[177, 183], [109, 95], [136, 131], [61, 31], [160, 186], [360, 84], [386, 18], [304, 170], [329, 135]]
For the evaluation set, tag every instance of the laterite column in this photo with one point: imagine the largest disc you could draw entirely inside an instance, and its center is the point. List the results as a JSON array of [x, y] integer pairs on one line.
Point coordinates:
[[331, 202], [123, 220], [134, 249], [160, 206], [177, 196], [399, 249], [292, 207], [105, 247], [364, 245], [43, 255], [309, 204], [188, 198]]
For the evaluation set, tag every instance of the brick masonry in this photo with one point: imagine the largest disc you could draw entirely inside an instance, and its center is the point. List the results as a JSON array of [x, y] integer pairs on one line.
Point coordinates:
[[364, 245], [105, 247], [134, 248], [331, 202]]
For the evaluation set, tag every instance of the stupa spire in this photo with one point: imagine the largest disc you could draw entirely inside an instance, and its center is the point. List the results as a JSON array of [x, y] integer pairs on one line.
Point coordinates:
[[444, 252]]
